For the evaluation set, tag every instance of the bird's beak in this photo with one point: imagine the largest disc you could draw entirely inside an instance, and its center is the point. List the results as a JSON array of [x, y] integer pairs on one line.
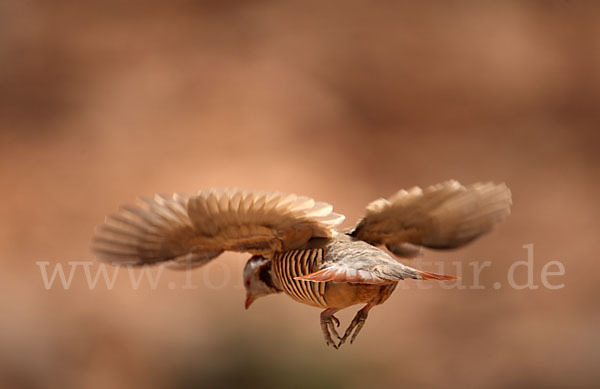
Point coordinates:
[[249, 300]]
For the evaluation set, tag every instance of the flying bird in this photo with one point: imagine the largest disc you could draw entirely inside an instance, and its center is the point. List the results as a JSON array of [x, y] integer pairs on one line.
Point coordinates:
[[294, 243]]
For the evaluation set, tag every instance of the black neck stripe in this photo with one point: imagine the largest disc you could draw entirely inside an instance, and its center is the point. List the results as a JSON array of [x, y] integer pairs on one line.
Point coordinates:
[[264, 274]]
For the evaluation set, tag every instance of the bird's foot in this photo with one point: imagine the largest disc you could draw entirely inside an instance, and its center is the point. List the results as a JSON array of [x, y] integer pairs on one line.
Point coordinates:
[[354, 328], [328, 324]]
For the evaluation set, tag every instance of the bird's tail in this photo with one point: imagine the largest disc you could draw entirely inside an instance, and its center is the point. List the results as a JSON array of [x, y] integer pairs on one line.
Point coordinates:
[[425, 275]]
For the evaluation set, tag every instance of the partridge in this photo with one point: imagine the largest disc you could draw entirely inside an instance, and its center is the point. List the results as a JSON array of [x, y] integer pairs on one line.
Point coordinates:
[[294, 243]]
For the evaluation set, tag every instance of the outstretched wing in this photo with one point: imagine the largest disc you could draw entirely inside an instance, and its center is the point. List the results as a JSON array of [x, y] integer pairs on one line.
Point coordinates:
[[445, 215], [191, 230]]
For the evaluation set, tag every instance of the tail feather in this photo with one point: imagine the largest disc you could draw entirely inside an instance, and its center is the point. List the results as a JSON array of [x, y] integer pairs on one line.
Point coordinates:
[[425, 275]]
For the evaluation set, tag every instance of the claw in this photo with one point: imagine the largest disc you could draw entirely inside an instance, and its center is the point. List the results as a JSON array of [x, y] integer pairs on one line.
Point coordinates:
[[357, 330], [353, 329], [325, 326], [337, 322], [332, 327], [328, 323], [356, 325]]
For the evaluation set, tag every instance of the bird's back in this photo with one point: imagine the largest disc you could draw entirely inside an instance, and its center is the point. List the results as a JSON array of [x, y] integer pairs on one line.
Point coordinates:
[[319, 254]]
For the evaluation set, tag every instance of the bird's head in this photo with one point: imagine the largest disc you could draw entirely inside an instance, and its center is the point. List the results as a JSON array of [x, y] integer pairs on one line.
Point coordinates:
[[258, 279]]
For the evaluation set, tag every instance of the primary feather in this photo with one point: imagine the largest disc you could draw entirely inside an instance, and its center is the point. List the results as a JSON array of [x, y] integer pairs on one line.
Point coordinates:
[[190, 230], [446, 215]]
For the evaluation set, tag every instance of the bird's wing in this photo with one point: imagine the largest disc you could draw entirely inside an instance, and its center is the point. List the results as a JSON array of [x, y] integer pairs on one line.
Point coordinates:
[[191, 230], [360, 263], [445, 215]]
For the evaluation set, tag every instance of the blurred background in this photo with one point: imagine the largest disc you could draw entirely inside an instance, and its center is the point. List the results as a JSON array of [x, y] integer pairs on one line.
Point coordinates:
[[344, 101]]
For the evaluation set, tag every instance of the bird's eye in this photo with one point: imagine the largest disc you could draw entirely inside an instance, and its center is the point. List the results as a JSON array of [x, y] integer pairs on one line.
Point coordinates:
[[247, 282]]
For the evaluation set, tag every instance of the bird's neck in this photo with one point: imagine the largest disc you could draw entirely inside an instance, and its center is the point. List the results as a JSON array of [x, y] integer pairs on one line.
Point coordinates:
[[267, 275]]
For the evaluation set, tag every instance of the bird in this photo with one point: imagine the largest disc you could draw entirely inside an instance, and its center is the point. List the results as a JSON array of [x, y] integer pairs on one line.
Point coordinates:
[[296, 246]]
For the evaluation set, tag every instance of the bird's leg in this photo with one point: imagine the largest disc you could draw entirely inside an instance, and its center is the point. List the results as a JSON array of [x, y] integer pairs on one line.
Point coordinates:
[[357, 324], [328, 326]]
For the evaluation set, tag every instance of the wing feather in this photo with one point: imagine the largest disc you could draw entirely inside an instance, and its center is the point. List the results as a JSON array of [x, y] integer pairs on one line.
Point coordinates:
[[445, 215], [191, 230], [360, 263]]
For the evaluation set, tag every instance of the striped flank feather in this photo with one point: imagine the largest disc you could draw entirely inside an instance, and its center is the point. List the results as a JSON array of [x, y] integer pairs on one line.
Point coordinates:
[[296, 263]]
